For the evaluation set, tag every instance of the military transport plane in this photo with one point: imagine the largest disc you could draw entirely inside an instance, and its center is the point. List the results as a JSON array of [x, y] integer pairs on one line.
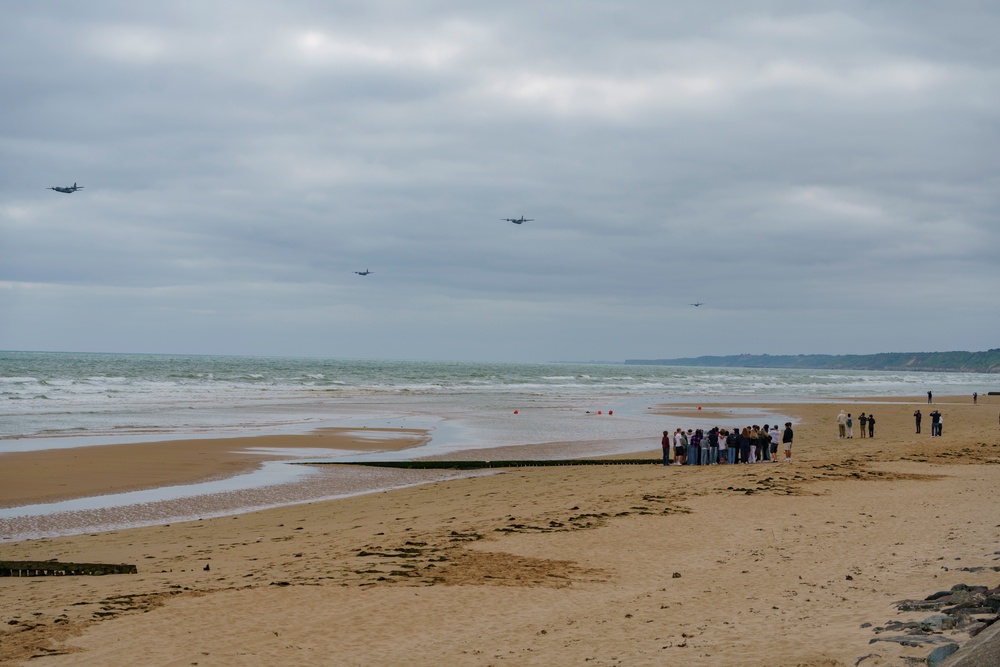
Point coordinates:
[[518, 221], [67, 190], [363, 273]]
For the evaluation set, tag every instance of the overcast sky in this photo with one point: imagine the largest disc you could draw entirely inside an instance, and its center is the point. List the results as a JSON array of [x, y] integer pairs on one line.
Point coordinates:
[[824, 177]]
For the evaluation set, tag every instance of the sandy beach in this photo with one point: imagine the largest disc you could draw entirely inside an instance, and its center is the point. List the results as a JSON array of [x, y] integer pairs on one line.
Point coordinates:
[[747, 565]]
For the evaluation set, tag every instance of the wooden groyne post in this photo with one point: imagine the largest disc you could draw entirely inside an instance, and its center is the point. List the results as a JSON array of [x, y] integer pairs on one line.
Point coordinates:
[[51, 568]]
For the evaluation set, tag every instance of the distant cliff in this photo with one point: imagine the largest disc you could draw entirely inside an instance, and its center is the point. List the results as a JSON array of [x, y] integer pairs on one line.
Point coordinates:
[[964, 362]]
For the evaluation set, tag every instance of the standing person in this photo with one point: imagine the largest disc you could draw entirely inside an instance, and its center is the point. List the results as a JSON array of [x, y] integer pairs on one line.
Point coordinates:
[[862, 420], [871, 426], [680, 447], [764, 449], [940, 424], [733, 445], [786, 440], [694, 448], [723, 455], [975, 395], [754, 440], [713, 446], [745, 445], [665, 444], [850, 426], [842, 425], [775, 436], [929, 396], [917, 417], [935, 417]]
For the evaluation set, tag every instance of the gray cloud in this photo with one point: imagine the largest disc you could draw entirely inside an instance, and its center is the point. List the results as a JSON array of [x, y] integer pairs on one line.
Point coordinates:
[[822, 175]]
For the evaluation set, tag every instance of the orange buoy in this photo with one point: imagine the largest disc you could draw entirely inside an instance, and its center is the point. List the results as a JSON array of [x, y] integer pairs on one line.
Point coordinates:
[[598, 412], [699, 407], [515, 412], [611, 412]]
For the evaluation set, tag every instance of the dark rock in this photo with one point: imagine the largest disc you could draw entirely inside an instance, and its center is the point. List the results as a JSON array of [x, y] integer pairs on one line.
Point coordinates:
[[935, 596], [912, 641], [980, 627], [940, 654], [939, 622], [920, 605]]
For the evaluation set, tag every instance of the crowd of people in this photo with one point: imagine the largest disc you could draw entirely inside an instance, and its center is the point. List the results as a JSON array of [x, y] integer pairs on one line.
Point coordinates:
[[845, 425], [937, 422], [751, 444]]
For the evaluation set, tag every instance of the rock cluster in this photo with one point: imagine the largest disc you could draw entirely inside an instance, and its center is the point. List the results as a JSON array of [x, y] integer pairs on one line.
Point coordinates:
[[954, 617]]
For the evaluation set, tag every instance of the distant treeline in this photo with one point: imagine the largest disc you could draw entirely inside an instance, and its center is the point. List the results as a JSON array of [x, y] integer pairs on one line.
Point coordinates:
[[967, 362]]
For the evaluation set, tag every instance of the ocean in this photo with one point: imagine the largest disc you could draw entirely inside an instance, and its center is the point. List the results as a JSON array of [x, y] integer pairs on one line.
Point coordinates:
[[115, 396], [53, 399]]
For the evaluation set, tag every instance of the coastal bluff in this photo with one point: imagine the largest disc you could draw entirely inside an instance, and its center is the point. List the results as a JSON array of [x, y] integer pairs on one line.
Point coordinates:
[[957, 362]]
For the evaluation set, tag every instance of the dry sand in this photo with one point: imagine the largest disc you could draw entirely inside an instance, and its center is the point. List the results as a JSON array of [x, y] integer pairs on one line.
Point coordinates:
[[767, 564]]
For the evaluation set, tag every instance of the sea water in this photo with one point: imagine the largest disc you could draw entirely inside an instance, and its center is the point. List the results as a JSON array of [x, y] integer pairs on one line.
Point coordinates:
[[51, 399], [109, 395]]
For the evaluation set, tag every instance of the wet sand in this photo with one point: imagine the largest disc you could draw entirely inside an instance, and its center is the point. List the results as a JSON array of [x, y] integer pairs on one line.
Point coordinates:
[[750, 565], [60, 474]]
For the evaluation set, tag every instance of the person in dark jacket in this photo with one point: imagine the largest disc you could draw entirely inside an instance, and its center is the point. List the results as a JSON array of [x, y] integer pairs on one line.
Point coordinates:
[[733, 445], [713, 446], [745, 445], [786, 440]]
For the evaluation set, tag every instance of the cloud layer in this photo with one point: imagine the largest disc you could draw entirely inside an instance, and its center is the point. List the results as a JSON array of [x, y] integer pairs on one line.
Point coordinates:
[[822, 175]]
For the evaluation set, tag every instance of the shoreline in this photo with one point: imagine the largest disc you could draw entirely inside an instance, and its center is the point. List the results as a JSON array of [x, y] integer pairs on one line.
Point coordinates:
[[58, 475]]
